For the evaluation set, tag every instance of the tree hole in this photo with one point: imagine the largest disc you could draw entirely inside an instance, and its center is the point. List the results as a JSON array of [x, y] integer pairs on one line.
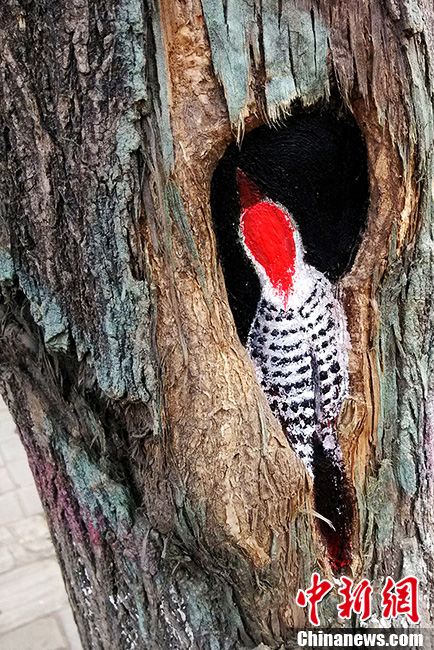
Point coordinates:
[[315, 165], [289, 207]]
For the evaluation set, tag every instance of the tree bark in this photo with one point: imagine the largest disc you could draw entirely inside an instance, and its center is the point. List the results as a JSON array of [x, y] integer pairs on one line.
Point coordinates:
[[180, 515]]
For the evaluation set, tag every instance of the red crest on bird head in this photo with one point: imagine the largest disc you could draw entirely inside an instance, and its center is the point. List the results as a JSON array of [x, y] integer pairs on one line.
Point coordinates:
[[268, 235]]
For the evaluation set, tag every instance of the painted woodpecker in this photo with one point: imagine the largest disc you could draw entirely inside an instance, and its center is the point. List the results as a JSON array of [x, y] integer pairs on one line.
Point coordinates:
[[298, 343]]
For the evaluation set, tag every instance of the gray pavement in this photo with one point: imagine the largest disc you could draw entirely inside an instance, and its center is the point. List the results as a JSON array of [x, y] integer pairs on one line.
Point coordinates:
[[34, 609]]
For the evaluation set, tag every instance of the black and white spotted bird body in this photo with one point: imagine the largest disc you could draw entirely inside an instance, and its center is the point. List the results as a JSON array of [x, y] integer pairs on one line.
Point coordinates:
[[300, 354], [298, 340], [299, 344]]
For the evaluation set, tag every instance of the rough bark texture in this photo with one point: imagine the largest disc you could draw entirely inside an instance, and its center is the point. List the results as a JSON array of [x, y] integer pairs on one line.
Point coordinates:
[[181, 517]]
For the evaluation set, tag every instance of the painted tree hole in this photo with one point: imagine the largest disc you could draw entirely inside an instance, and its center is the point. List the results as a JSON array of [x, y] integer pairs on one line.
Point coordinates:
[[289, 208], [315, 165]]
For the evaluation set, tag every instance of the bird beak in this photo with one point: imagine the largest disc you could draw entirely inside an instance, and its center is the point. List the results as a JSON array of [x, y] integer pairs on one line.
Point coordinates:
[[248, 191]]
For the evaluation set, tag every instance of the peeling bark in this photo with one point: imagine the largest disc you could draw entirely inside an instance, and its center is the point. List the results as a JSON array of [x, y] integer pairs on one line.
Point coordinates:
[[180, 515]]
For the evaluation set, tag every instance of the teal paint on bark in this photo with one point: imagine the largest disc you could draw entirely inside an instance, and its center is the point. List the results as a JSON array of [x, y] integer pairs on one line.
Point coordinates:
[[161, 108], [47, 313], [191, 598], [131, 33], [140, 611], [96, 492], [295, 55], [378, 509], [124, 361], [7, 269], [294, 44], [119, 358], [407, 323], [421, 105], [405, 300], [393, 436], [176, 211], [55, 326], [122, 357], [117, 343], [231, 27]]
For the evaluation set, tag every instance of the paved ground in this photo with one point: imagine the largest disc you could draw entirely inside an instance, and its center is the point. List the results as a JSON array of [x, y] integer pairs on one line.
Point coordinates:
[[34, 610]]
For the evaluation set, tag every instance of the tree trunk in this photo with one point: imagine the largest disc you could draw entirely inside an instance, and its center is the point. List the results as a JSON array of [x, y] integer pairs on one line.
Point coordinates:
[[180, 515]]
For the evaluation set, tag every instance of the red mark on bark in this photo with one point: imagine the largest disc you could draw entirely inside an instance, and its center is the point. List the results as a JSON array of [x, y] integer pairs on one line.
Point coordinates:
[[94, 534], [338, 547]]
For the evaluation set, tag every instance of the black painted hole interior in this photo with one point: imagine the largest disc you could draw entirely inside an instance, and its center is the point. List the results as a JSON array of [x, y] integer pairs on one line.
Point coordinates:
[[315, 166]]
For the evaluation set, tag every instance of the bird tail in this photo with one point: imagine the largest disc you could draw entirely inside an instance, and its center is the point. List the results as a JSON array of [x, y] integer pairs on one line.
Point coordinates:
[[334, 500]]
